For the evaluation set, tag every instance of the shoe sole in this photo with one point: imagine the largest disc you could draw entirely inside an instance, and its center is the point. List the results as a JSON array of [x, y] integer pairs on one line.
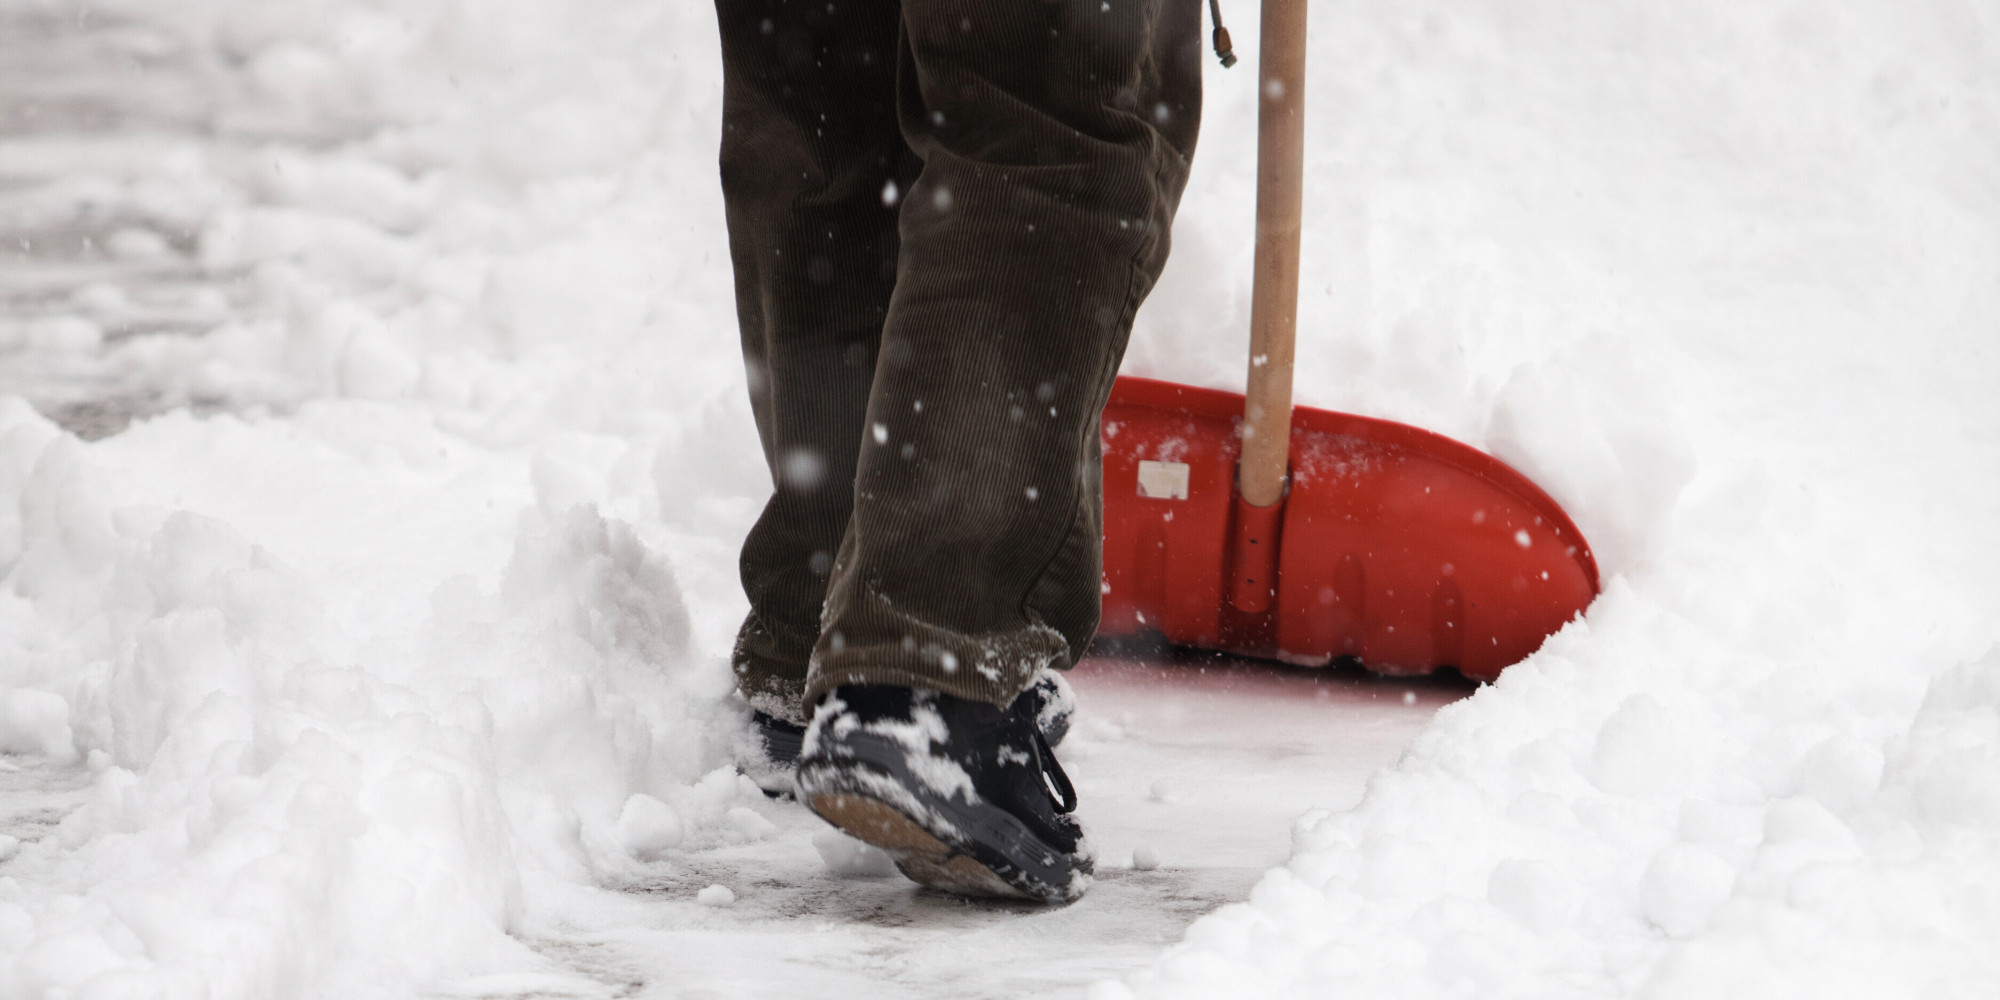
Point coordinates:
[[973, 852], [922, 858]]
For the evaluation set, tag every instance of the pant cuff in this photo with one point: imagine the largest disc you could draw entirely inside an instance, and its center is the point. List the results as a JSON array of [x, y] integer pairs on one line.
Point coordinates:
[[993, 669]]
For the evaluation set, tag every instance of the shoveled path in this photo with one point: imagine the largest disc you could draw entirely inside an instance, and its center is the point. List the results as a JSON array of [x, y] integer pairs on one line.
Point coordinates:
[[1206, 762]]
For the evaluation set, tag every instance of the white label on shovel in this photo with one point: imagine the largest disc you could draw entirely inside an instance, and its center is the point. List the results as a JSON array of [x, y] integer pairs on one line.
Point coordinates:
[[1163, 480]]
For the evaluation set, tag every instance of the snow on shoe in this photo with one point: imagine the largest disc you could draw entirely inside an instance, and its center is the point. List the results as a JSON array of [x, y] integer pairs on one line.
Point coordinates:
[[769, 752], [964, 796]]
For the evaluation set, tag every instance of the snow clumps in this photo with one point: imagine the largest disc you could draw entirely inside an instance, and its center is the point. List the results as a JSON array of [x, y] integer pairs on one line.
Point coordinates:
[[851, 858]]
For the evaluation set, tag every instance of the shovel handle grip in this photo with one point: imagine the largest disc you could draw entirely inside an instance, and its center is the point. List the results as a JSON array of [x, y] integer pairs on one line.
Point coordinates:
[[1274, 296]]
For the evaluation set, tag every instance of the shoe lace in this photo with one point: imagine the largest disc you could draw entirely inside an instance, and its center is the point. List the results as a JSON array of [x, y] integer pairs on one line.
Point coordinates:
[[1053, 777]]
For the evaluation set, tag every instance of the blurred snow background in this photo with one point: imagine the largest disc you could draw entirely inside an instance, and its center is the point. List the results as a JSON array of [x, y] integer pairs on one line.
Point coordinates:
[[375, 455]]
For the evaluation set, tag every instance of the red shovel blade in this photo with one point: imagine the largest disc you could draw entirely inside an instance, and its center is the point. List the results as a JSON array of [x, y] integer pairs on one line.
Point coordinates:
[[1398, 547]]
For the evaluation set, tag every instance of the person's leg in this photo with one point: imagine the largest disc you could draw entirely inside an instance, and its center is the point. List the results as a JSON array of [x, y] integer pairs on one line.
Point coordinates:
[[810, 141], [1054, 137]]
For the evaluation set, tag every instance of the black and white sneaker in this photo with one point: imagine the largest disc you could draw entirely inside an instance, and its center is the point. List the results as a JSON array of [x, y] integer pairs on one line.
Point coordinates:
[[769, 754], [966, 797]]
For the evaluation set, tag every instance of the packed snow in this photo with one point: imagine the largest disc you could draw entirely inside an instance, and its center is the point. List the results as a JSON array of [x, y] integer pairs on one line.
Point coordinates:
[[374, 452]]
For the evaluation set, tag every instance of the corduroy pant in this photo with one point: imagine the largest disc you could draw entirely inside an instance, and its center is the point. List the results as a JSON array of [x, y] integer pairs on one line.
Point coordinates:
[[942, 216]]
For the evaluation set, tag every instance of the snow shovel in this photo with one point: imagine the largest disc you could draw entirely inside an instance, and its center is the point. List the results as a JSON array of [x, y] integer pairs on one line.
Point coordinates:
[[1243, 524]]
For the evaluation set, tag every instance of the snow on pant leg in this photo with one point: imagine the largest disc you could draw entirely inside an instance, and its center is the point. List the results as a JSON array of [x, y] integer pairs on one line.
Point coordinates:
[[1054, 137], [810, 140]]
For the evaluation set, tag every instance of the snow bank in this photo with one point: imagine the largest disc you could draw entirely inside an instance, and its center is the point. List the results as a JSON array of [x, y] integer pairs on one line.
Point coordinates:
[[290, 773], [400, 654], [1720, 277]]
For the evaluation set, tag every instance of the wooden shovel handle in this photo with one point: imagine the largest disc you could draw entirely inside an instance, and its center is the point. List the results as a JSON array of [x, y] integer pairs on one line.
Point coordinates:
[[1274, 296]]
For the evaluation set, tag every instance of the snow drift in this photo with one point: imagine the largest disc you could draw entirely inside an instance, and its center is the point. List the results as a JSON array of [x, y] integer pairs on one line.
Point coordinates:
[[391, 650]]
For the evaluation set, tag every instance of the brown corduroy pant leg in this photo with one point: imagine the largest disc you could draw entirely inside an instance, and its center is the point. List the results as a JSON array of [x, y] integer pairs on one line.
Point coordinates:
[[942, 215]]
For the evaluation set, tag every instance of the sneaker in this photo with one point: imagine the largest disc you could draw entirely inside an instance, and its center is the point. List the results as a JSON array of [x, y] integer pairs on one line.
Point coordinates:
[[966, 797], [771, 752], [768, 754]]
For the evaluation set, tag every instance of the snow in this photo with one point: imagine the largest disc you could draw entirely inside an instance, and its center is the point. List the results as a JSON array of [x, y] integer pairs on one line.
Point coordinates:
[[649, 828], [1719, 276], [373, 456], [847, 856]]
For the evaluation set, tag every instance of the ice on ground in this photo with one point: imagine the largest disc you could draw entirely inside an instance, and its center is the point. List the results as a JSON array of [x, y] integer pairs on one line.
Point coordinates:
[[375, 579]]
